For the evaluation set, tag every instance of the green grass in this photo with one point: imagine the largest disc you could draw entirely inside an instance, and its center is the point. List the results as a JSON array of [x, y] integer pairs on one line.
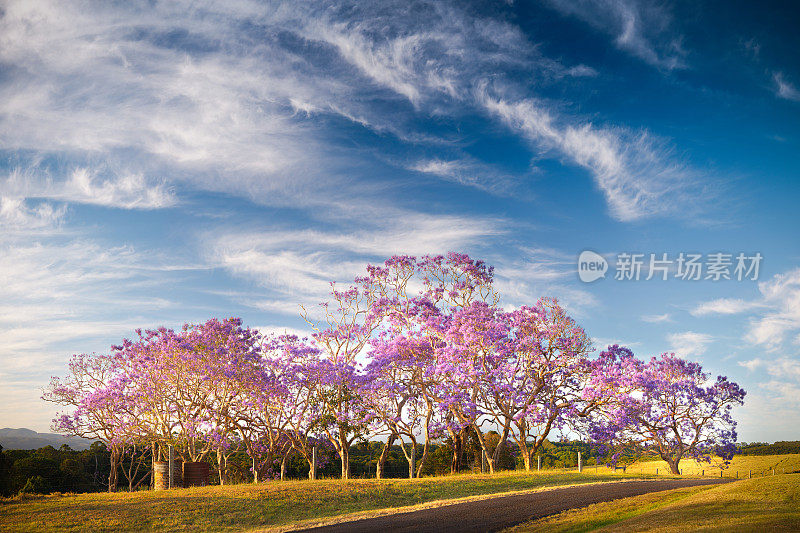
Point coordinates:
[[770, 503], [242, 507]]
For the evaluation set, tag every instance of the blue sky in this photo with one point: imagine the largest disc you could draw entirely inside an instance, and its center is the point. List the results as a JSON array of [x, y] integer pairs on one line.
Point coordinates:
[[170, 162]]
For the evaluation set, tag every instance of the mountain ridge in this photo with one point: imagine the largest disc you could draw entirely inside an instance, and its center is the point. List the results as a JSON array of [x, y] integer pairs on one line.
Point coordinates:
[[28, 439]]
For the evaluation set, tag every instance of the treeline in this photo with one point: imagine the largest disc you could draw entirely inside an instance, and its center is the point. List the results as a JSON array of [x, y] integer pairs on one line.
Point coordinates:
[[54, 470], [63, 469], [763, 448]]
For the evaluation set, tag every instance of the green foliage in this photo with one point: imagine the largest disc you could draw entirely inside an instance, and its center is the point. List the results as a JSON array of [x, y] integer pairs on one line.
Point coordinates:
[[62, 470], [36, 485], [762, 448], [5, 473]]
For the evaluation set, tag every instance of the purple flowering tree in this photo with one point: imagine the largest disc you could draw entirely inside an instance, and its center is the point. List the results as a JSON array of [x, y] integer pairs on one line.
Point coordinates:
[[91, 392], [396, 393], [190, 389], [350, 319], [533, 384], [223, 360], [666, 407], [290, 416], [407, 392]]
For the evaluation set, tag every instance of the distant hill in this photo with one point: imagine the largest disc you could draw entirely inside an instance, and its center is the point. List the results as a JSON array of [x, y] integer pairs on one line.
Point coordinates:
[[27, 439], [764, 448]]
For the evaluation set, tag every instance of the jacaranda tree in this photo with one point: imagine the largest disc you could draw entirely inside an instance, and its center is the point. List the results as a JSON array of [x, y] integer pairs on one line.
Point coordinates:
[[665, 407]]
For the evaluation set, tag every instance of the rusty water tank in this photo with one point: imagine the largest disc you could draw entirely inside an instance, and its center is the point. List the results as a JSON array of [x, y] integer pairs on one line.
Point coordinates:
[[161, 474], [195, 474]]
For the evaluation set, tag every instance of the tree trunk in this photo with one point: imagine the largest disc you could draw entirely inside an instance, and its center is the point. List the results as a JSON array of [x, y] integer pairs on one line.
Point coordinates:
[[221, 466], [283, 467], [485, 456], [412, 458], [526, 459], [501, 443], [458, 447], [421, 461], [344, 453], [673, 465], [379, 470], [112, 474]]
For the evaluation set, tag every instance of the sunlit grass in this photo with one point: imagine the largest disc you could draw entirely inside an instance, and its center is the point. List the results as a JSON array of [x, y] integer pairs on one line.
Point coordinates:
[[241, 507], [742, 465], [770, 503]]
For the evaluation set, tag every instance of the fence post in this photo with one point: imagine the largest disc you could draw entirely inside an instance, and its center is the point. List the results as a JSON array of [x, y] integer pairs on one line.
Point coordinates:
[[703, 473], [314, 462], [750, 474], [538, 463], [580, 463], [656, 471], [773, 471], [171, 460]]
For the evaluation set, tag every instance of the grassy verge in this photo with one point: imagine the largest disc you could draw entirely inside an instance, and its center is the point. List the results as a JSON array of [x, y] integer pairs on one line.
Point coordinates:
[[241, 507], [770, 503]]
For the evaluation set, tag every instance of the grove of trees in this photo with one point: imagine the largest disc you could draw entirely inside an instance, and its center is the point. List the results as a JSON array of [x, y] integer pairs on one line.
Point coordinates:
[[417, 351]]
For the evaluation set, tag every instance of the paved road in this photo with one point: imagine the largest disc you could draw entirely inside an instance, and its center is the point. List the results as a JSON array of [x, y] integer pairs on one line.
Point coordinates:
[[499, 513]]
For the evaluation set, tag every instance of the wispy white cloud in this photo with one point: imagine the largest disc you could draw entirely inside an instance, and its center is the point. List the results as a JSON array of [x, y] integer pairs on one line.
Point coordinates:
[[775, 315], [689, 343], [640, 27], [725, 306], [781, 301], [541, 272], [116, 86], [752, 364], [784, 89], [17, 214], [469, 172], [657, 319], [775, 403], [173, 93], [66, 297], [84, 186], [782, 367], [296, 266], [636, 172]]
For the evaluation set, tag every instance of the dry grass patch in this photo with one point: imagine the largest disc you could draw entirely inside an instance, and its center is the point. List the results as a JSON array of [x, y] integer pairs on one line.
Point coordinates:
[[760, 465]]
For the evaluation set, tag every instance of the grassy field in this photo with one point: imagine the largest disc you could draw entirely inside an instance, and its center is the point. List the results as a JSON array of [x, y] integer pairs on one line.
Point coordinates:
[[742, 464], [242, 507], [770, 503]]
